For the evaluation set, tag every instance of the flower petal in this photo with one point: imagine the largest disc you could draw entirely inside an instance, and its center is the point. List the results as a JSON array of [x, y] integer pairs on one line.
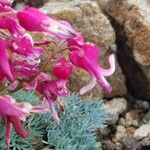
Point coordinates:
[[34, 20], [16, 122], [8, 128], [4, 63], [53, 111], [8, 106], [89, 86]]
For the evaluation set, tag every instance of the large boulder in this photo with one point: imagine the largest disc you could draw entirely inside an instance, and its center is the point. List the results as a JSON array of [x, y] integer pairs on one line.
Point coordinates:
[[131, 20], [87, 18]]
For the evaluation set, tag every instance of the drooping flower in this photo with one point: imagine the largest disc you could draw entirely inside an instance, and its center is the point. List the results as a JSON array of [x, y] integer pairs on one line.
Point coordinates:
[[51, 89], [34, 20], [24, 45], [13, 112], [85, 55], [62, 69], [5, 69], [6, 2], [25, 57], [8, 21]]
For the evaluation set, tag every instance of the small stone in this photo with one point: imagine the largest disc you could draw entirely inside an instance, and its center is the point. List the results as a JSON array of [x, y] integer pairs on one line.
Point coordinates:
[[120, 133], [142, 132], [132, 118], [146, 118], [103, 133], [144, 105], [114, 108], [122, 121], [130, 143], [145, 141], [119, 146], [130, 131], [108, 145]]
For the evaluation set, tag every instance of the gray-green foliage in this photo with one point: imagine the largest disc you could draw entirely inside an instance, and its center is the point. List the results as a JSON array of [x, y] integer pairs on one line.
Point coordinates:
[[25, 96], [76, 131], [78, 124]]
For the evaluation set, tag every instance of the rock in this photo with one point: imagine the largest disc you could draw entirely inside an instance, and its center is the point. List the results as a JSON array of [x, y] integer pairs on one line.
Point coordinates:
[[130, 144], [108, 145], [142, 105], [103, 133], [146, 117], [87, 18], [118, 146], [36, 3], [136, 22], [132, 118], [131, 21], [114, 108], [120, 133], [130, 131], [145, 141], [123, 132], [122, 121], [102, 3], [142, 132]]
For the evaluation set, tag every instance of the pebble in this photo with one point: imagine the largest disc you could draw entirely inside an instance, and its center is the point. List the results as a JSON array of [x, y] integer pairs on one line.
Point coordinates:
[[142, 132], [130, 143], [114, 108], [132, 118]]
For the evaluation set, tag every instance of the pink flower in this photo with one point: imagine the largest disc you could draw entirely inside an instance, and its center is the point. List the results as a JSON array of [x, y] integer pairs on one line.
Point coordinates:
[[85, 55], [8, 21], [24, 45], [4, 63], [25, 58], [62, 69], [6, 2], [51, 89], [13, 113], [34, 20]]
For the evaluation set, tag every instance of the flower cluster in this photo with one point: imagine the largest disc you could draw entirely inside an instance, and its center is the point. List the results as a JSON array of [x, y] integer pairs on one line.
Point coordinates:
[[20, 65]]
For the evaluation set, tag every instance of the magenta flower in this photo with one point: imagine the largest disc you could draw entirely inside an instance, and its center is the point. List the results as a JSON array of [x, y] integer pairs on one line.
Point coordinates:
[[8, 21], [51, 89], [34, 20], [85, 56], [5, 70], [6, 2], [13, 113], [62, 69], [24, 45]]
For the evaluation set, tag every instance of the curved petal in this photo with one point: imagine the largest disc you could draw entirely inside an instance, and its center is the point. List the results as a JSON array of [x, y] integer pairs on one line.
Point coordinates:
[[8, 106], [4, 63], [53, 111], [106, 87], [8, 128], [16, 122], [89, 86], [111, 69]]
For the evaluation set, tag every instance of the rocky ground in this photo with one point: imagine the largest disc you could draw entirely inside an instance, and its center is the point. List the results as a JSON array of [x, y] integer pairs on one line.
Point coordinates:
[[124, 27]]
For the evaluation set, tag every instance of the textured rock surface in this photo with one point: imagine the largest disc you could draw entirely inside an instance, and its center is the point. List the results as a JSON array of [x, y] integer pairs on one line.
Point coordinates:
[[132, 118], [142, 132], [131, 17], [136, 22], [114, 108], [87, 18]]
